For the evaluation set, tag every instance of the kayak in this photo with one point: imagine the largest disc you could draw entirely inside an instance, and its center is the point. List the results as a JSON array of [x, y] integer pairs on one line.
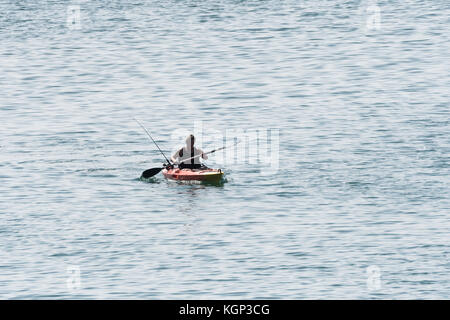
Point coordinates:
[[208, 175]]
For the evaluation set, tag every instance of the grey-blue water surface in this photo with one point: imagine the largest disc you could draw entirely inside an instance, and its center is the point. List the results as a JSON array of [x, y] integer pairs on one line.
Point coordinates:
[[358, 90]]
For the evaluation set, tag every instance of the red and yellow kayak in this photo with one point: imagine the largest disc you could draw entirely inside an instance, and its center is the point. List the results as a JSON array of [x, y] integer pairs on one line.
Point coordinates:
[[208, 175]]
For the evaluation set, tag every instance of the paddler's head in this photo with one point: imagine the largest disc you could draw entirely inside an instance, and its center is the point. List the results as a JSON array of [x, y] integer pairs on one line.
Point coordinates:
[[190, 140]]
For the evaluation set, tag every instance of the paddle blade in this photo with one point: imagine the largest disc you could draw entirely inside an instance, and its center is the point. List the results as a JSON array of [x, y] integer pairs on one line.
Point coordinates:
[[150, 172]]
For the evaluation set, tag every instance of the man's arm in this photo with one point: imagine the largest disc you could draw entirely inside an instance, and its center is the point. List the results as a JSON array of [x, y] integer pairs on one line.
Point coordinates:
[[176, 155]]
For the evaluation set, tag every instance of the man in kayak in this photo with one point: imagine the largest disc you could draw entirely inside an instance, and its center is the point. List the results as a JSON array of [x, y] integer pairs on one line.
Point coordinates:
[[187, 152]]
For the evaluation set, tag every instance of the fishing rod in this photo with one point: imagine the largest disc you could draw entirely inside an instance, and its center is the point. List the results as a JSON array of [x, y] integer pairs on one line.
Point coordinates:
[[142, 126], [212, 151]]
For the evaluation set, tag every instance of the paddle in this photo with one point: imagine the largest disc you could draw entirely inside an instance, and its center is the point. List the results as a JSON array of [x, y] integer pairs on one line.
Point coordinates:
[[153, 171]]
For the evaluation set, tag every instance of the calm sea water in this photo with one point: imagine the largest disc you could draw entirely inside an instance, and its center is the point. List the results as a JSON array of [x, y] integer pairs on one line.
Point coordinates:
[[359, 92]]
